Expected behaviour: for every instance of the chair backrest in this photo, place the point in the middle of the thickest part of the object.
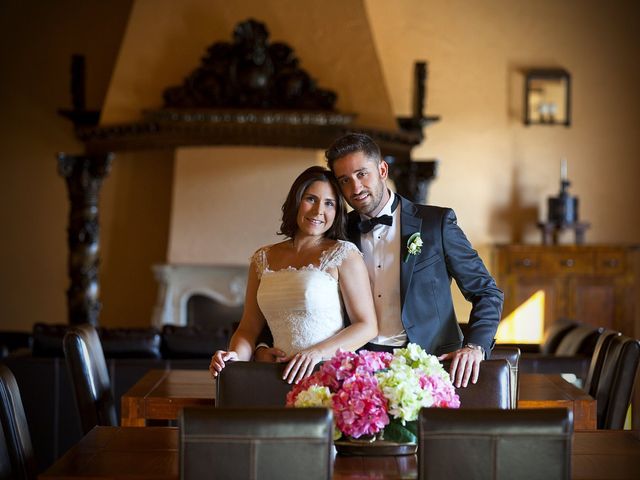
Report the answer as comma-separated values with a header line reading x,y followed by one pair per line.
x,y
554,334
493,389
597,361
89,377
580,340
494,444
615,386
17,461
512,356
283,443
252,384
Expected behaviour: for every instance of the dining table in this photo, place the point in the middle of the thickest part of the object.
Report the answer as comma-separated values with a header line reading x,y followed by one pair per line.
x,y
161,394
153,453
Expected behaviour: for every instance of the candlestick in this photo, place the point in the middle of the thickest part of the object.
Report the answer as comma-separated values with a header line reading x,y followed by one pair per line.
x,y
563,169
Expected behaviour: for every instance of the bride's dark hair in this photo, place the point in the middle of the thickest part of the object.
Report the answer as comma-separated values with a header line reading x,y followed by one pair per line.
x,y
289,225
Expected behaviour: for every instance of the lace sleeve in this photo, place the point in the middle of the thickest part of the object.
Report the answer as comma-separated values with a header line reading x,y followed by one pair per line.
x,y
260,259
336,255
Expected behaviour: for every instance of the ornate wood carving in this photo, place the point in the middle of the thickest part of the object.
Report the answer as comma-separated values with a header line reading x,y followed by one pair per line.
x,y
418,120
412,179
84,175
250,72
79,115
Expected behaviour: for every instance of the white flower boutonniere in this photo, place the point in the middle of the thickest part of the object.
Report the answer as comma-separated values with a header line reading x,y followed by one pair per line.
x,y
413,245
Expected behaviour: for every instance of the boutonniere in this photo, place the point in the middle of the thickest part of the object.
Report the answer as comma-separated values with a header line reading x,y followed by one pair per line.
x,y
413,245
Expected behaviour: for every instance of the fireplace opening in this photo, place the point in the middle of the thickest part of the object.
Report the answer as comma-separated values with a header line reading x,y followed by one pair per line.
x,y
206,313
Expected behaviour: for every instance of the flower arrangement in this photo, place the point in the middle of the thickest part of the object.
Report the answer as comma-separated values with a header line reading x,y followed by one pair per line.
x,y
376,394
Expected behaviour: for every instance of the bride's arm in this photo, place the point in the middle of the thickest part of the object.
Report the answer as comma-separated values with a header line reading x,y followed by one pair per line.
x,y
244,339
358,300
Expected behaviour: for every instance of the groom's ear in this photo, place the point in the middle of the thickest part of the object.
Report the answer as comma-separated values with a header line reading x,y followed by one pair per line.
x,y
383,169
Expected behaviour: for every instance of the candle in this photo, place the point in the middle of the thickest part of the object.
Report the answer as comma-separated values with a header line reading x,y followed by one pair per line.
x,y
563,169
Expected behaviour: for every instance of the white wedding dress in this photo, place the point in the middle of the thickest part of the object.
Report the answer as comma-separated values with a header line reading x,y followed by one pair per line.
x,y
302,306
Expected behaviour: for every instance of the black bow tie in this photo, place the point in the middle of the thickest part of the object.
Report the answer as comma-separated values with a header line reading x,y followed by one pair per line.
x,y
365,226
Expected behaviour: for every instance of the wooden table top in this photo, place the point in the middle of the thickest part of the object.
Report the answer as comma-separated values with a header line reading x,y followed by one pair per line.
x,y
160,395
153,453
552,391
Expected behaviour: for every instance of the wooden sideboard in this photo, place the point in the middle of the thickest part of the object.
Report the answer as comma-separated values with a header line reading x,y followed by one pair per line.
x,y
594,284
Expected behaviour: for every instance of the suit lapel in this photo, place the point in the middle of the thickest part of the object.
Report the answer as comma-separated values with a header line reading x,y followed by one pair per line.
x,y
409,224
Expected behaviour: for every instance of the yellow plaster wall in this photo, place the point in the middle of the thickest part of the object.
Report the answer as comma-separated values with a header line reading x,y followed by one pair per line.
x,y
165,40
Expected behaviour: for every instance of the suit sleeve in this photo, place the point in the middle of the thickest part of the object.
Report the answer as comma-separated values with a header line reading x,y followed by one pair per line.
x,y
474,281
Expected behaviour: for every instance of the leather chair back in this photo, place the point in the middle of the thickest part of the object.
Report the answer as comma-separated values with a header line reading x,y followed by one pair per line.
x,y
581,340
615,386
283,443
252,384
597,361
554,334
495,444
17,460
512,356
493,389
90,378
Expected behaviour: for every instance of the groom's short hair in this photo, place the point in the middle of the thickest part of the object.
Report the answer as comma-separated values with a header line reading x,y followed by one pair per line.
x,y
351,143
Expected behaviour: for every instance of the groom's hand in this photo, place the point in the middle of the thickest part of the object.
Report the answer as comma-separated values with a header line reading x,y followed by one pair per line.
x,y
269,355
465,365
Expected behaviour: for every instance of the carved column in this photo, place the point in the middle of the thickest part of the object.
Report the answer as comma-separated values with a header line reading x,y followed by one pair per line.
x,y
84,175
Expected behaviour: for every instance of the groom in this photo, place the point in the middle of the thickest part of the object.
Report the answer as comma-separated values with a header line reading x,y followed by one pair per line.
x,y
411,282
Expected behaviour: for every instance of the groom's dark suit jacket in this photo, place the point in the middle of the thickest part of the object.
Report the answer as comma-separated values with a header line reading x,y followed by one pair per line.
x,y
425,281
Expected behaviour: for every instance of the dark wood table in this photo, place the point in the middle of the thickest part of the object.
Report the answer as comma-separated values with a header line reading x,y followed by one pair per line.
x,y
552,391
152,453
160,395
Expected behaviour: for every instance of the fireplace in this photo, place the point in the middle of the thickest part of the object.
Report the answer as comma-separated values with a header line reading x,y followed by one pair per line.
x,y
180,288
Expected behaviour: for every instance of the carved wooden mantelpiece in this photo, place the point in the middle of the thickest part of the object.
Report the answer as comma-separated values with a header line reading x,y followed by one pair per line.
x,y
170,129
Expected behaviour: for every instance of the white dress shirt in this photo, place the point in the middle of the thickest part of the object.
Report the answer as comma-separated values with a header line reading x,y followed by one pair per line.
x,y
381,251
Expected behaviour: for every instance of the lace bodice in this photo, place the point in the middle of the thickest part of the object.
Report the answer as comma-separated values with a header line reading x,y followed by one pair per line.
x,y
302,306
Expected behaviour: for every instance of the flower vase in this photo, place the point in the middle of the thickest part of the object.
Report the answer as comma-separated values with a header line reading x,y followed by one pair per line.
x,y
372,446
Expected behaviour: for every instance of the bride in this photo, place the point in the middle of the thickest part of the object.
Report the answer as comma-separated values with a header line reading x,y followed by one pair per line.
x,y
298,286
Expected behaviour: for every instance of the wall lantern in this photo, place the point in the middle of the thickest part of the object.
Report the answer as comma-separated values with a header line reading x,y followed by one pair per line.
x,y
547,97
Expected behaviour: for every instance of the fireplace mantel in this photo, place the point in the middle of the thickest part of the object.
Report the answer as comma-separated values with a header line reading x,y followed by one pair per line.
x,y
177,283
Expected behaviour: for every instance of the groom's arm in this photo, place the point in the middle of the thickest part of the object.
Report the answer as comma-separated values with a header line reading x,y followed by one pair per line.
x,y
264,352
478,287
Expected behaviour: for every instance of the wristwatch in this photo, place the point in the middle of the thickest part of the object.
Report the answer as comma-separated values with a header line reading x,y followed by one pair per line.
x,y
476,347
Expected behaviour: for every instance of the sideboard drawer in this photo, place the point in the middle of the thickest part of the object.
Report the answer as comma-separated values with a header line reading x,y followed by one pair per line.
x,y
569,262
611,263
524,262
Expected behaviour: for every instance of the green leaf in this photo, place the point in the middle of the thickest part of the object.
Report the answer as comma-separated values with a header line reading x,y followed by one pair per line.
x,y
396,432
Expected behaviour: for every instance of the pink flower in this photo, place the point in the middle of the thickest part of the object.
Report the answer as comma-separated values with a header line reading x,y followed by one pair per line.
x,y
359,407
443,393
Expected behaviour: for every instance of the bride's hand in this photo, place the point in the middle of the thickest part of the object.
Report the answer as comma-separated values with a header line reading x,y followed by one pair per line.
x,y
218,359
301,365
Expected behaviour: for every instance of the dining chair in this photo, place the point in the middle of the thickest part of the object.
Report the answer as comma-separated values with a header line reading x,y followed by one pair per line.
x,y
597,361
493,389
89,377
256,443
494,444
512,356
17,459
572,355
251,384
616,382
